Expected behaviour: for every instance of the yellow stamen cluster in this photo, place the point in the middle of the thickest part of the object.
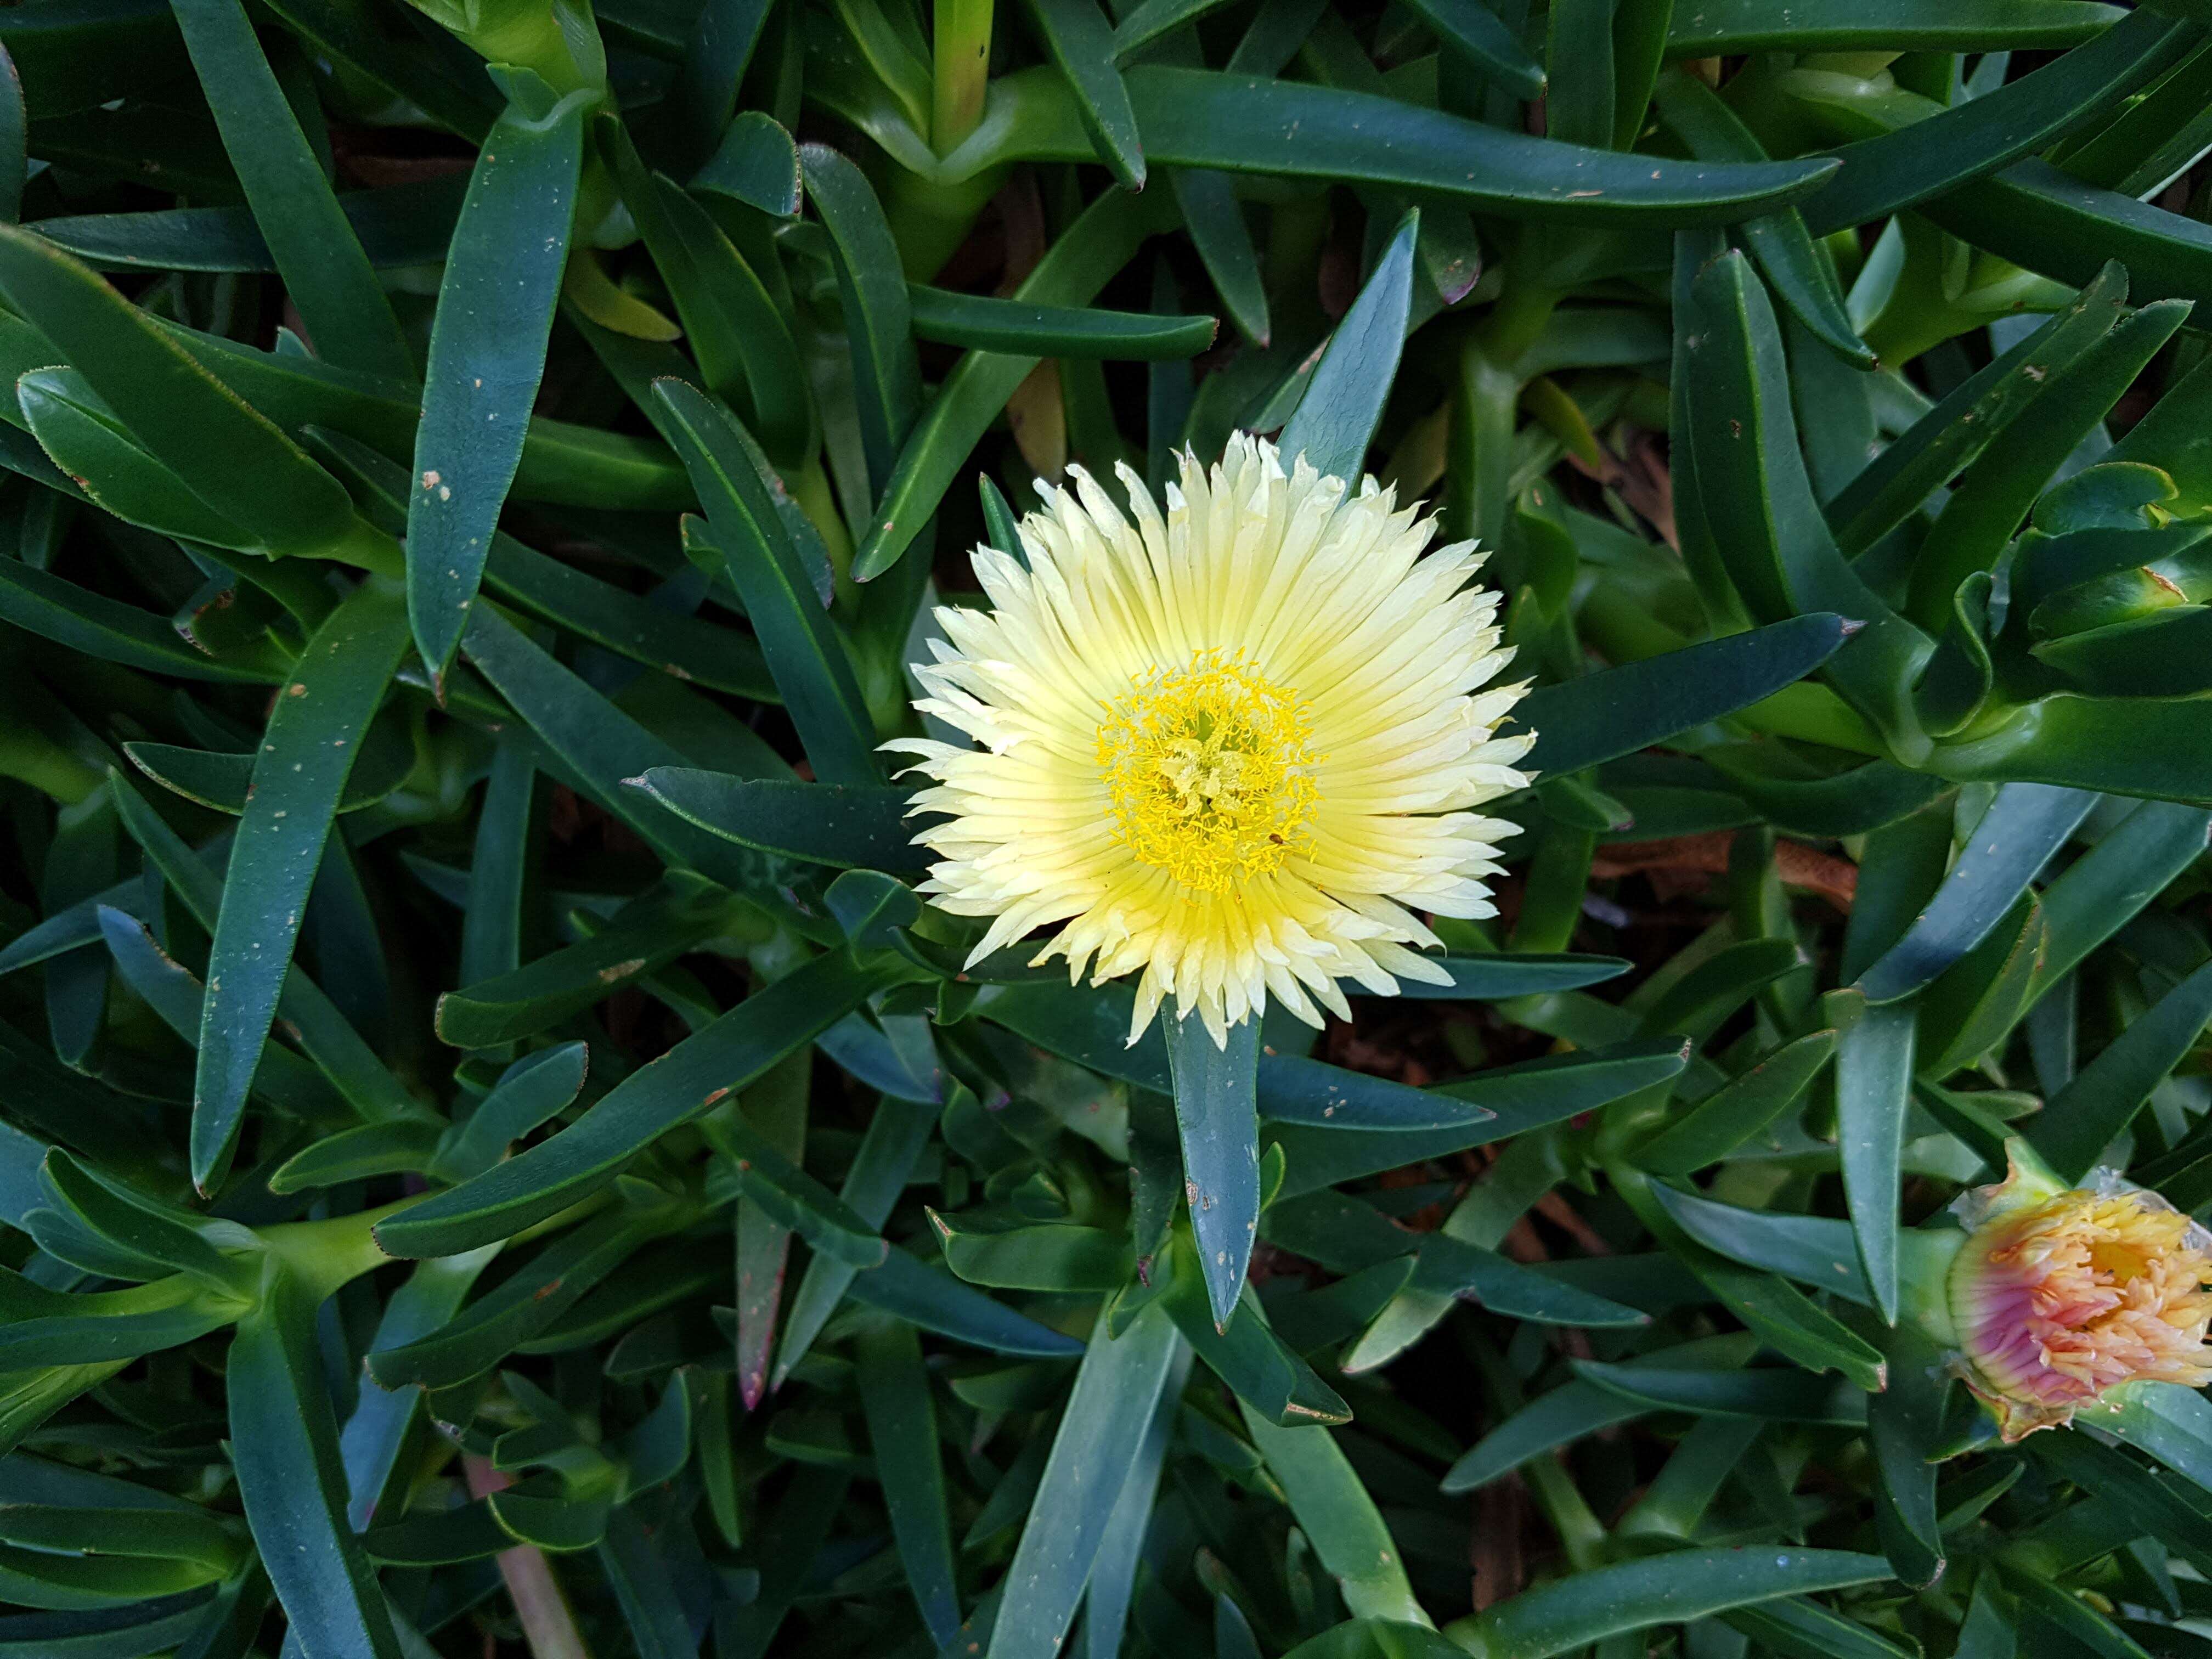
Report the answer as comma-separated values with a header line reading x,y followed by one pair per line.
x,y
1209,770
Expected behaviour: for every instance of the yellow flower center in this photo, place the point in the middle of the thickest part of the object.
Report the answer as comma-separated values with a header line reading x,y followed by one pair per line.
x,y
1209,771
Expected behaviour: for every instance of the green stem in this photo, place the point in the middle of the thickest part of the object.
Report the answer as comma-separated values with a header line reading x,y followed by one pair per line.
x,y
535,39
1516,319
29,756
548,1628
326,1254
1816,715
930,218
963,71
1623,628
367,547
1581,1533
1480,445
810,488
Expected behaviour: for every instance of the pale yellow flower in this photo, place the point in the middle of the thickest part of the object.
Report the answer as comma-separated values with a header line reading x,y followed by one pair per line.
x,y
1232,749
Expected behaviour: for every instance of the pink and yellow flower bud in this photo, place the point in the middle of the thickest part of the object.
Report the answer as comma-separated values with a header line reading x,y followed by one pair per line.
x,y
2060,1295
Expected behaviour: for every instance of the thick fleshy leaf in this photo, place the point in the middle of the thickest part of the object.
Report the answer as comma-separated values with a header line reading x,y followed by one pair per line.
x,y
1092,1027
1339,1519
905,1289
1478,32
1734,1115
1215,1088
314,735
1523,1096
1335,419
851,826
1954,147
2051,222
112,631
314,248
1755,496
1814,1250
1109,1414
1773,1394
804,653
1904,1431
895,1395
1874,1091
2108,885
1195,118
2025,823
224,780
593,745
284,1445
984,324
1617,711
878,306
680,1087
1099,243
488,352
674,915
1733,25
2083,1118
1781,242
238,463
1971,417
880,1169
324,1035
1081,42
1663,1590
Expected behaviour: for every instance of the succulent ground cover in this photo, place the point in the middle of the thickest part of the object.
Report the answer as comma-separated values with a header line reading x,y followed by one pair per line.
x,y
508,1144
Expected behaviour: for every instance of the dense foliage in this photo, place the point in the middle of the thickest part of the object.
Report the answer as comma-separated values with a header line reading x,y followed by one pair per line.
x,y
496,1155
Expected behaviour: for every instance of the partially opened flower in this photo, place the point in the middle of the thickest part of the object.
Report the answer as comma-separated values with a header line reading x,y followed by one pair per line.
x,y
2060,1295
1232,749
